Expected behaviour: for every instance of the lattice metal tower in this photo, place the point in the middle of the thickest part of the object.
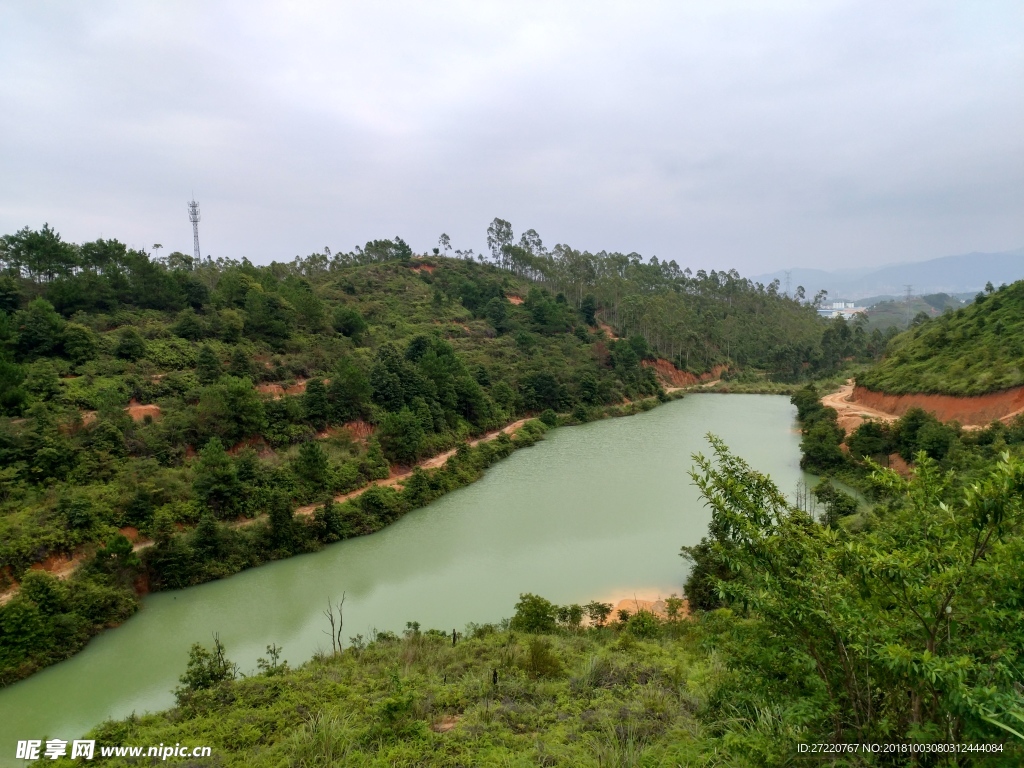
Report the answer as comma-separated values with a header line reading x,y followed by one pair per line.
x,y
193,216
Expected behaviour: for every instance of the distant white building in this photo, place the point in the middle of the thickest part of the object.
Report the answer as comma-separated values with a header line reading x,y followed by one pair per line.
x,y
845,308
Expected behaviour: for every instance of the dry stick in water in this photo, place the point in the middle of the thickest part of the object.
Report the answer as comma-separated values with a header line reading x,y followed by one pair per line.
x,y
329,613
341,618
336,629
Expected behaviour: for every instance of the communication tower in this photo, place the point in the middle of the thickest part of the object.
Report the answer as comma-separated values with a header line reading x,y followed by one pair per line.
x,y
193,216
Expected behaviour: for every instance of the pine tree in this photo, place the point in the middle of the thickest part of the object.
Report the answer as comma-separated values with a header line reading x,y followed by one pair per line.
x,y
349,392
311,464
206,538
131,345
208,367
282,521
329,523
216,484
315,403
241,365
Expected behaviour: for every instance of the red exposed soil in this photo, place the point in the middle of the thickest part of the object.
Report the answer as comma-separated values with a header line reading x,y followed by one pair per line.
x,y
897,463
969,411
274,390
607,329
278,391
62,566
58,564
138,411
515,299
359,430
428,268
88,417
669,374
258,444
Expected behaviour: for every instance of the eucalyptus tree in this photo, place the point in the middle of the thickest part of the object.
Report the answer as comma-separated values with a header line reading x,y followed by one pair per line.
x,y
499,234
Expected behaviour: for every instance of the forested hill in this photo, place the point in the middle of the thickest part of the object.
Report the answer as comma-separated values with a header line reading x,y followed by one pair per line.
x,y
975,350
165,400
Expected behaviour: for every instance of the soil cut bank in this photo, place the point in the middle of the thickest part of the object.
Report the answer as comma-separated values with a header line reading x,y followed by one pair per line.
x,y
674,377
974,411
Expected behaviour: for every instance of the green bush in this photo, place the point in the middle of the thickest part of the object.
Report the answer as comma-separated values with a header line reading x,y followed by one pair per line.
x,y
533,614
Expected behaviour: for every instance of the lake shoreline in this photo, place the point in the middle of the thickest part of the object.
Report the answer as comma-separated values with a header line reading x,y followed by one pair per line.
x,y
142,584
592,513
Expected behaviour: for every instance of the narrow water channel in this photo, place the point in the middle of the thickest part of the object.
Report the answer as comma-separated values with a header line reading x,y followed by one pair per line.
x,y
591,512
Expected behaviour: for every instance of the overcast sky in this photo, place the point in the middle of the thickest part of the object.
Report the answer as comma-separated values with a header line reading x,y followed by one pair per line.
x,y
750,135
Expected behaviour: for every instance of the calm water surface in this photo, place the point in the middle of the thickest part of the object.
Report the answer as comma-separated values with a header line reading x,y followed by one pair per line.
x,y
597,511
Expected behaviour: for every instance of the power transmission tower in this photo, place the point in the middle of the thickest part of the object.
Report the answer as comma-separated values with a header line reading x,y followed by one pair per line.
x,y
788,273
193,216
909,289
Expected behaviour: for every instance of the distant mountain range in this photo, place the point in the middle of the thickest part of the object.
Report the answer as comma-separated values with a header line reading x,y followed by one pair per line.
x,y
966,273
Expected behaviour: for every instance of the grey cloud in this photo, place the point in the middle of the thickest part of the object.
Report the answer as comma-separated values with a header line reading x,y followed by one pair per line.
x,y
718,134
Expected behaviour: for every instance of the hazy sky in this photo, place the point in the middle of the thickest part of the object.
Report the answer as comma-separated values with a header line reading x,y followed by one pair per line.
x,y
756,135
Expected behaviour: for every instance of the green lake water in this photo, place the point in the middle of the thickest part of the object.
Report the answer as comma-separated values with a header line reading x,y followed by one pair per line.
x,y
592,512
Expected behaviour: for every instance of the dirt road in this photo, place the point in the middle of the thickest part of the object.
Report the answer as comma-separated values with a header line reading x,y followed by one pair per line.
x,y
396,478
851,414
63,567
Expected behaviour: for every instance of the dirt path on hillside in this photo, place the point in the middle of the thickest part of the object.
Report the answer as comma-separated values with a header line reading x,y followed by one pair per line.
x,y
607,329
396,478
62,566
851,414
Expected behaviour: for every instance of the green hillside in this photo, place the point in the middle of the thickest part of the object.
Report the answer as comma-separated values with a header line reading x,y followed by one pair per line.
x,y
974,350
